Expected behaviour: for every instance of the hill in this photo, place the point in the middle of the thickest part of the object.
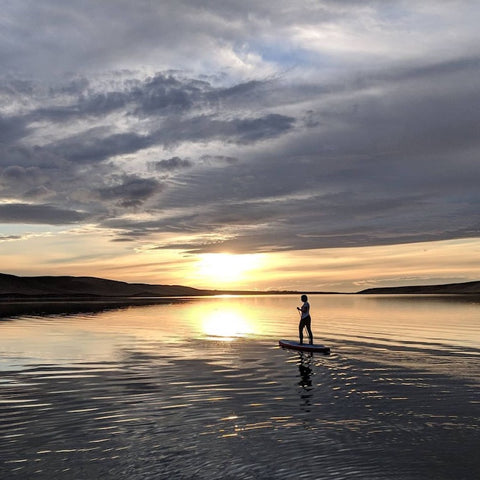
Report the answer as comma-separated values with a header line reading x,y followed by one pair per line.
x,y
467,288
12,286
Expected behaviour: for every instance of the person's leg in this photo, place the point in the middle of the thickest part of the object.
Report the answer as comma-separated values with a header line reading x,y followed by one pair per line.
x,y
300,330
308,324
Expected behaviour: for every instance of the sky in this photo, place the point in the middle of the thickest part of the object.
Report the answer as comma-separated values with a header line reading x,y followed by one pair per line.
x,y
310,145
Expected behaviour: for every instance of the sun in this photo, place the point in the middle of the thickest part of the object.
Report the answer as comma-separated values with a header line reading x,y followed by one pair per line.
x,y
224,268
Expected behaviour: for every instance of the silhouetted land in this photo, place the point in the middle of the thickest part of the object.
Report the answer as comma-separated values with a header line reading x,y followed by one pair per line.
x,y
75,287
466,288
68,287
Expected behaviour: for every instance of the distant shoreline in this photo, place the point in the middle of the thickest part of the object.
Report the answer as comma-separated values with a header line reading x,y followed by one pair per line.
x,y
69,288
465,288
121,298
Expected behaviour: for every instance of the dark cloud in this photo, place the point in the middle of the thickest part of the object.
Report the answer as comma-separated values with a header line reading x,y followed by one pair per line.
x,y
90,105
39,214
123,239
131,191
12,128
40,192
162,95
268,126
219,159
237,130
6,238
14,173
170,164
317,221
167,94
92,147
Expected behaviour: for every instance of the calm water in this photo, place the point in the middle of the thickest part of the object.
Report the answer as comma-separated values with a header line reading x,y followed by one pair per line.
x,y
198,389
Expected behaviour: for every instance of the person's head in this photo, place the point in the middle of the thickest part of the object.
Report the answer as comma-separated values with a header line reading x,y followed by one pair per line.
x,y
304,298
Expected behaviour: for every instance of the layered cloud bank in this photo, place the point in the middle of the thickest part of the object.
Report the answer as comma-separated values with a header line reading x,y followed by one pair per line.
x,y
244,127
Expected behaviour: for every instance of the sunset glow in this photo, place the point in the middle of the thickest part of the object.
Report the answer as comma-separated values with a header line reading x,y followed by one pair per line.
x,y
226,268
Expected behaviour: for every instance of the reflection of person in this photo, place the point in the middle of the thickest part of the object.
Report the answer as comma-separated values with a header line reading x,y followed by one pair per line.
x,y
305,370
305,320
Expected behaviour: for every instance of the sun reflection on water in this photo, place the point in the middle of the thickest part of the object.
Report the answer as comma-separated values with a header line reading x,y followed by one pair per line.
x,y
227,325
227,322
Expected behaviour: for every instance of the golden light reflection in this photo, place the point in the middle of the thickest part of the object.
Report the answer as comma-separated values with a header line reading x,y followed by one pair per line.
x,y
225,322
227,325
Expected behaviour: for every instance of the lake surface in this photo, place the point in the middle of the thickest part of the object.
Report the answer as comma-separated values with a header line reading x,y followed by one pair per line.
x,y
199,389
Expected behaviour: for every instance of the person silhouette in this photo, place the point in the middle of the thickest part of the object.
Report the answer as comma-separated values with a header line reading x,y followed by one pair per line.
x,y
305,320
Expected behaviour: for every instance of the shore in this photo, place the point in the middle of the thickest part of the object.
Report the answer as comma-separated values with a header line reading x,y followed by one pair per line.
x,y
61,288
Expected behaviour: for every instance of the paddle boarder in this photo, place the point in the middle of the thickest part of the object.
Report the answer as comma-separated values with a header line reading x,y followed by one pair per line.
x,y
305,319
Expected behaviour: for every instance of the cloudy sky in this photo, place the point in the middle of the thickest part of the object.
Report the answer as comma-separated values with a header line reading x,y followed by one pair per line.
x,y
328,145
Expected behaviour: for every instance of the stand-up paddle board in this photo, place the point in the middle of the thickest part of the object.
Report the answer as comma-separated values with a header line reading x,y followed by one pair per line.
x,y
304,347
